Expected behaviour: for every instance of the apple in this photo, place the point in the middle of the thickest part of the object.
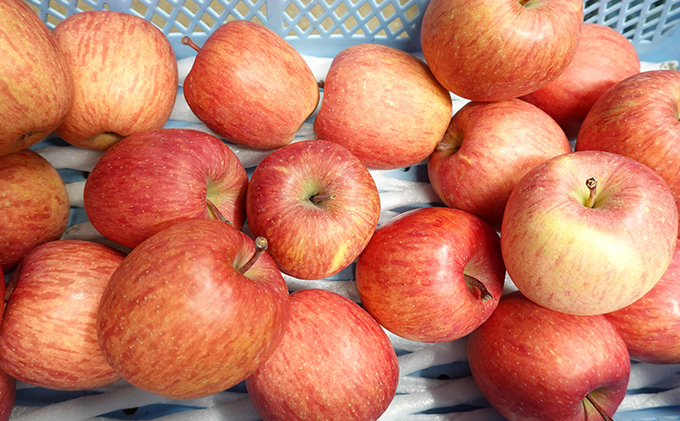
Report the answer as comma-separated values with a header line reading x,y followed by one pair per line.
x,y
588,232
334,362
36,83
650,326
249,86
384,105
603,58
35,206
489,50
125,76
193,310
154,179
48,336
533,363
431,274
316,204
486,149
638,118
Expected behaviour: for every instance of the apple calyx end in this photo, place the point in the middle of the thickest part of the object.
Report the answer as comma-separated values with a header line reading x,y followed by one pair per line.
x,y
484,293
189,42
261,245
591,184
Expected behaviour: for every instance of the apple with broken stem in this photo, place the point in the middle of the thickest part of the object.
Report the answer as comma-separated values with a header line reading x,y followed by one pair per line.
x,y
603,58
431,274
490,50
48,335
35,206
487,148
553,366
37,85
316,204
638,118
193,310
588,232
154,179
650,326
384,105
249,86
125,75
335,355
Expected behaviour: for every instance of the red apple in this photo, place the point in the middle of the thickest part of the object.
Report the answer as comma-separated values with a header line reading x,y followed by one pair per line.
x,y
48,336
638,118
383,105
431,274
650,326
316,204
486,149
335,362
36,86
603,58
536,364
588,232
35,207
248,85
154,179
490,50
192,311
125,75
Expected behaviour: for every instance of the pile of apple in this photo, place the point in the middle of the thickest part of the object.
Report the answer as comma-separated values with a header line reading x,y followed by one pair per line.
x,y
193,300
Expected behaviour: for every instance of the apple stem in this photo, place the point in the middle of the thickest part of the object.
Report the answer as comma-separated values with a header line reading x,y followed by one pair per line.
x,y
261,245
591,183
318,198
442,146
219,215
599,409
188,41
484,293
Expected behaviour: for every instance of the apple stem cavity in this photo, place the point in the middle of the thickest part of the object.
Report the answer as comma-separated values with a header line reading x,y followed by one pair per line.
x,y
188,41
591,183
599,409
318,198
261,245
218,214
484,293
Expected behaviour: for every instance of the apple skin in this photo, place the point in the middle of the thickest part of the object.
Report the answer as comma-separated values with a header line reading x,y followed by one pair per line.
x,y
603,58
490,50
35,207
486,149
638,118
179,320
48,336
532,363
154,179
125,75
650,326
249,86
310,240
384,105
572,258
412,275
37,85
7,382
328,337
